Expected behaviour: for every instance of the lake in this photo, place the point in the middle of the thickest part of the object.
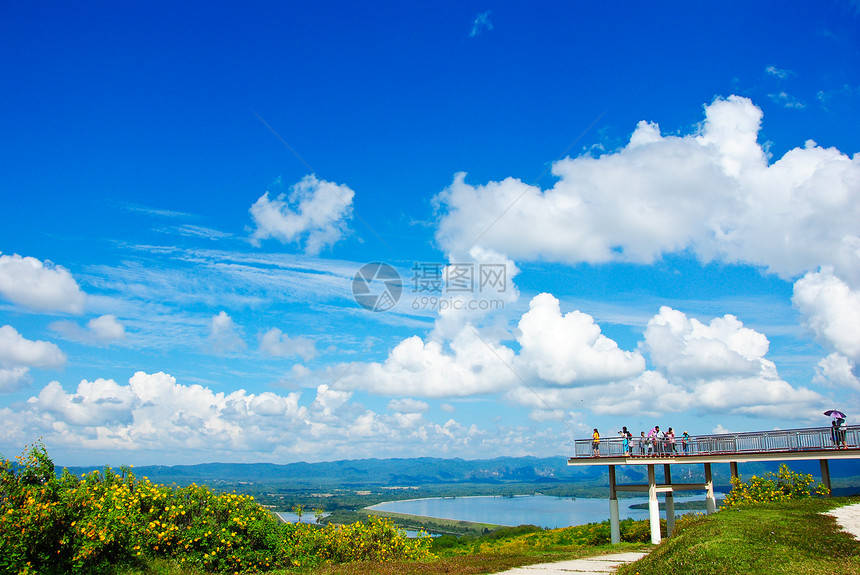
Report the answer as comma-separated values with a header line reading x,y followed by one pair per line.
x,y
540,510
289,517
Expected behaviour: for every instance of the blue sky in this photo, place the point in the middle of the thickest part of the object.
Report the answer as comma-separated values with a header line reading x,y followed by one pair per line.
x,y
644,215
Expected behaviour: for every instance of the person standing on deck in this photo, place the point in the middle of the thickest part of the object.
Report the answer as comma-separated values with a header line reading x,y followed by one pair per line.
x,y
595,443
840,432
652,440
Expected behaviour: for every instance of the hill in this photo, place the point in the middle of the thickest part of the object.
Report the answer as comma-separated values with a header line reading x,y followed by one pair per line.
x,y
424,471
375,472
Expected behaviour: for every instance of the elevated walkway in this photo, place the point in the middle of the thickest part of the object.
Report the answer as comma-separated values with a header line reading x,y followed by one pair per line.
x,y
732,448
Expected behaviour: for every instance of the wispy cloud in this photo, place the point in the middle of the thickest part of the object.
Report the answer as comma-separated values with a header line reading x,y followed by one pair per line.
x,y
787,100
828,97
481,23
103,330
155,211
276,343
224,335
778,72
192,231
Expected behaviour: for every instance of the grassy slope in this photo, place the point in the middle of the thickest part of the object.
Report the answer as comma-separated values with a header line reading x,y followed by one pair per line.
x,y
785,538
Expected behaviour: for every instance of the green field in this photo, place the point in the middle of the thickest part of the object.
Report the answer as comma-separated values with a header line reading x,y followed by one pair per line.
x,y
788,537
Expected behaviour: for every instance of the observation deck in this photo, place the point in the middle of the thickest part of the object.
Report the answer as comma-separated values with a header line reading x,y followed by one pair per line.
x,y
732,448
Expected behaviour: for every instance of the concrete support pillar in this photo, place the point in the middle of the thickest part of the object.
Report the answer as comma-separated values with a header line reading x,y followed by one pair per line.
x,y
670,502
614,523
653,506
825,474
710,502
733,466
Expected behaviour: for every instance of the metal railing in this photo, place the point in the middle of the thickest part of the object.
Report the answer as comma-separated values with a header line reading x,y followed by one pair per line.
x,y
815,438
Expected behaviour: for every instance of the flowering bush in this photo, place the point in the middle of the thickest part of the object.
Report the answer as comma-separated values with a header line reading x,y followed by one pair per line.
x,y
781,486
82,525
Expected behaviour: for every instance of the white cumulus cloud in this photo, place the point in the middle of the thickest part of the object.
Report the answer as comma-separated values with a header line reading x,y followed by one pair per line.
x,y
96,403
315,214
153,411
837,371
18,354
15,349
471,365
722,364
40,286
684,347
715,367
155,419
712,192
832,311
570,349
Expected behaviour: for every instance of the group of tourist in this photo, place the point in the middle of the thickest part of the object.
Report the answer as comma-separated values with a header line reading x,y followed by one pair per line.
x,y
657,443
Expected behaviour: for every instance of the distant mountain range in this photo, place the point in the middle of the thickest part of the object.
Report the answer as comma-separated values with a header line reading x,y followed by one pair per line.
x,y
374,472
428,471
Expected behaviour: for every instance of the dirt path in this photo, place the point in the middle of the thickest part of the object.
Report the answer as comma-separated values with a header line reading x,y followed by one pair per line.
x,y
601,564
848,518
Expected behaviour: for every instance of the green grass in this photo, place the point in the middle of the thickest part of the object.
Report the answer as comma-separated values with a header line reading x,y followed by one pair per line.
x,y
462,565
767,538
158,567
469,564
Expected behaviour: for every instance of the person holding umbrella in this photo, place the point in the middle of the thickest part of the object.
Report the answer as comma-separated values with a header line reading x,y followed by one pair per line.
x,y
834,430
837,427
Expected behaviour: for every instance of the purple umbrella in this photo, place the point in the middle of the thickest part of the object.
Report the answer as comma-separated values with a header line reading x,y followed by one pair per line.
x,y
834,413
